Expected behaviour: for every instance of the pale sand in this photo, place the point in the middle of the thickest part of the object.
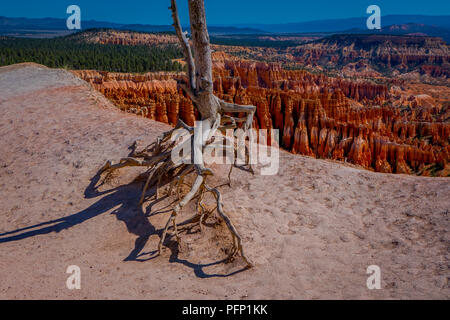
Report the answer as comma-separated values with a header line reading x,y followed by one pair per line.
x,y
312,230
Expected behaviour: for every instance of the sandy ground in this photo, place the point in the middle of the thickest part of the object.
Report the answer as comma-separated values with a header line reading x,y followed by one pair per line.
x,y
312,230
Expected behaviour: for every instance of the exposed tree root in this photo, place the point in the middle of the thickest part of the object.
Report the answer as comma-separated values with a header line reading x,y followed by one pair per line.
x,y
156,158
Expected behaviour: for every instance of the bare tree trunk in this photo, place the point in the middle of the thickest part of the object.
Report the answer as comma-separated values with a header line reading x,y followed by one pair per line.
x,y
201,84
207,103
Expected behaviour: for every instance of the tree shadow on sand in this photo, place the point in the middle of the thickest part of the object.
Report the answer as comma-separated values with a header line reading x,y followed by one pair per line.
x,y
125,198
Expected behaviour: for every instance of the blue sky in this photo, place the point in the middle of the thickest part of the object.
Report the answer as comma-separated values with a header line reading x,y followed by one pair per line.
x,y
225,12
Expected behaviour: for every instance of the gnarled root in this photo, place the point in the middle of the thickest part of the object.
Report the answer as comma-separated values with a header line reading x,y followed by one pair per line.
x,y
237,241
160,167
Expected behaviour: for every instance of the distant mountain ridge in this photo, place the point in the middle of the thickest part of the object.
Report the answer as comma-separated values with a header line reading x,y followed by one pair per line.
x,y
24,26
436,26
334,25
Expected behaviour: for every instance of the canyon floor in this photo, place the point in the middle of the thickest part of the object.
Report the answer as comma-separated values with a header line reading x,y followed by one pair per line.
x,y
311,230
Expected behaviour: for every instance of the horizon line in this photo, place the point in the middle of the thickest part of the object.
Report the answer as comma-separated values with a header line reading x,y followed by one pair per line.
x,y
227,25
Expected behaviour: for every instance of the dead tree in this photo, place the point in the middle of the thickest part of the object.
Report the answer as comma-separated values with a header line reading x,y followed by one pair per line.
x,y
215,115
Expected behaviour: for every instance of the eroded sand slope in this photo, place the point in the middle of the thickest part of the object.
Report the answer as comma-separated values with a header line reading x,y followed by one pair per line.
x,y
312,230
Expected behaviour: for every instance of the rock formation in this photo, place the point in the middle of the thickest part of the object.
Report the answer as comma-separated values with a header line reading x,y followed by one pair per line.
x,y
363,54
319,116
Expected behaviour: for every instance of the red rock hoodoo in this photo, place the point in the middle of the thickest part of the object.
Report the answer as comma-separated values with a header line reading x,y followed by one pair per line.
x,y
318,116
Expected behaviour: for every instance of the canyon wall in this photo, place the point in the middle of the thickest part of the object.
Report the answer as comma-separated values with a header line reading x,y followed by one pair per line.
x,y
355,121
399,54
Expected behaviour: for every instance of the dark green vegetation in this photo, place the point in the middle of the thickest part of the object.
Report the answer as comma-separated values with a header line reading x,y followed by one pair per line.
x,y
66,53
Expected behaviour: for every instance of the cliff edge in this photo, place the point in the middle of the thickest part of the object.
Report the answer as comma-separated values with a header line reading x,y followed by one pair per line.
x,y
312,230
